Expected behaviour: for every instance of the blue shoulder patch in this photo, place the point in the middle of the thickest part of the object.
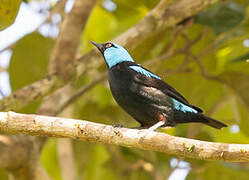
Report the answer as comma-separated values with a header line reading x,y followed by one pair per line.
x,y
143,71
182,107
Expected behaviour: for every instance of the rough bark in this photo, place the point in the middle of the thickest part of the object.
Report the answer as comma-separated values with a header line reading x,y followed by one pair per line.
x,y
24,157
30,93
162,16
11,122
64,53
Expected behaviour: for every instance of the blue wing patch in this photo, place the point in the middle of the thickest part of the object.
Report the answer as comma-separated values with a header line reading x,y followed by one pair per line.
x,y
143,71
182,107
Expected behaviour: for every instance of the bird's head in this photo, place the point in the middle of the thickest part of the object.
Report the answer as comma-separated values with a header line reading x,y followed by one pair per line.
x,y
113,53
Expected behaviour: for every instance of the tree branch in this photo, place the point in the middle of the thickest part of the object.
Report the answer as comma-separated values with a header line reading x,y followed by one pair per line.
x,y
162,16
11,122
168,52
29,167
78,93
64,52
30,93
66,158
14,159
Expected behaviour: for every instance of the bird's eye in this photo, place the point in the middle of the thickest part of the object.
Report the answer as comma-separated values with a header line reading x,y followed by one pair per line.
x,y
108,45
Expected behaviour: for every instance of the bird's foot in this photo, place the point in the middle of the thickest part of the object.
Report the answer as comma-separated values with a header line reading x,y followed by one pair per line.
x,y
167,127
139,127
162,120
118,126
157,125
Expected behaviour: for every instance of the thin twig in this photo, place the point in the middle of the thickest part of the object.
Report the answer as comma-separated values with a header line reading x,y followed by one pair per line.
x,y
81,91
156,21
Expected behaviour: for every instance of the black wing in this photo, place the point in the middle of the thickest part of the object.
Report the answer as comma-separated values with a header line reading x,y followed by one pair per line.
x,y
162,86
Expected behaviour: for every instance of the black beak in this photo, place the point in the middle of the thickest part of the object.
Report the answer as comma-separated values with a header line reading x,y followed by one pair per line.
x,y
101,47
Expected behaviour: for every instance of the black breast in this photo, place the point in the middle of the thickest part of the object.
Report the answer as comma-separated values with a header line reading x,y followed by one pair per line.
x,y
120,81
127,94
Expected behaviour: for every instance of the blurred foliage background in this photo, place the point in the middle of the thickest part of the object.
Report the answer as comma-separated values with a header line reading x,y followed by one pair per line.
x,y
209,65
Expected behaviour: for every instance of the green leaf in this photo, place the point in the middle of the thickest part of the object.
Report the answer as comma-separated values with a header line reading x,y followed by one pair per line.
x,y
232,52
243,117
3,174
114,23
96,169
49,159
8,12
222,171
226,136
238,82
29,62
93,30
243,57
103,96
222,17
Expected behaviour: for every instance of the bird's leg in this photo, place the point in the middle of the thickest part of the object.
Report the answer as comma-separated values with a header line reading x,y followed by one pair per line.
x,y
122,126
162,120
157,125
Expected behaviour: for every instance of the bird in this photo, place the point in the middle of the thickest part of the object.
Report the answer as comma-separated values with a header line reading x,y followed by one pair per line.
x,y
145,96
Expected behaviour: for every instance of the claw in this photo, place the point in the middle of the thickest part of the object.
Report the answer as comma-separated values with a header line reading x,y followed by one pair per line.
x,y
117,126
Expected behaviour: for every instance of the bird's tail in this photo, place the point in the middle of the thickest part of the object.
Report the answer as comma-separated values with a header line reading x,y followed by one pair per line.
x,y
210,121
